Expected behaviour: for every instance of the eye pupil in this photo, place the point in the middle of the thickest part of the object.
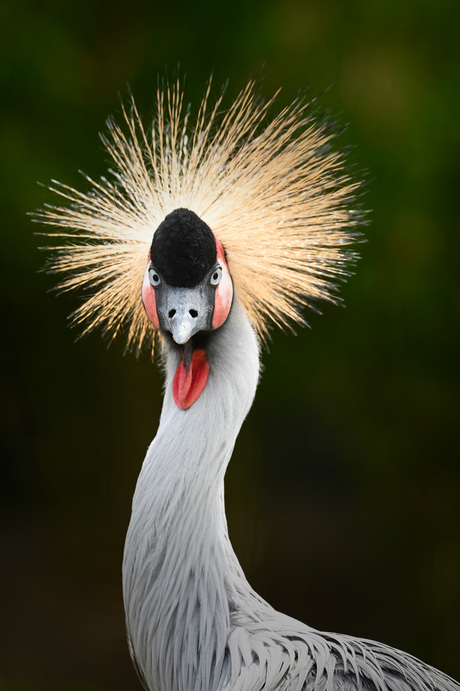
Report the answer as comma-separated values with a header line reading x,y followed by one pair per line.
x,y
215,276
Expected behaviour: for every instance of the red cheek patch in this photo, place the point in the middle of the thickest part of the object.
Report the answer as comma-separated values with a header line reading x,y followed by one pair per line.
x,y
224,291
189,381
149,300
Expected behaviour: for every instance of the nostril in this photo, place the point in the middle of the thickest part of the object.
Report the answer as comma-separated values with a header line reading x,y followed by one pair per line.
x,y
193,313
171,313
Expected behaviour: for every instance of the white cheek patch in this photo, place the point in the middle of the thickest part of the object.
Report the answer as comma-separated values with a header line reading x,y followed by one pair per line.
x,y
149,299
224,291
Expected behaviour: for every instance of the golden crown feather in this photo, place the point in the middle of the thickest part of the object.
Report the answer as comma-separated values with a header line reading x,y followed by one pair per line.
x,y
274,192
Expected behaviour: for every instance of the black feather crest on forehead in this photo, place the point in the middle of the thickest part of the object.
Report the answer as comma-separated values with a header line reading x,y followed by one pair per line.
x,y
183,249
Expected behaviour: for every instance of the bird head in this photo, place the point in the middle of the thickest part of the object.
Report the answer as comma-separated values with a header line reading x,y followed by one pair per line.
x,y
187,288
278,196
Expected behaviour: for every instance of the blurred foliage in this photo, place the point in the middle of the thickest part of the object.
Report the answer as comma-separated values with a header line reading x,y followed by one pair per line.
x,y
344,489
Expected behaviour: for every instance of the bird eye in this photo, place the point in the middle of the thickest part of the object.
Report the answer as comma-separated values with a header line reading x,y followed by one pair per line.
x,y
216,276
154,277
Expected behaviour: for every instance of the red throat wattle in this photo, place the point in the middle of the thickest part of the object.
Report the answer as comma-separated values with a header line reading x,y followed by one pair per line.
x,y
190,379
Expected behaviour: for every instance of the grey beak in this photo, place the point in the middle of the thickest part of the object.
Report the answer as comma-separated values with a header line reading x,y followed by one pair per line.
x,y
184,311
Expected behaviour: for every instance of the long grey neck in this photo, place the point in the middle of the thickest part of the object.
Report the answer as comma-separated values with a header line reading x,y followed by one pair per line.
x,y
180,575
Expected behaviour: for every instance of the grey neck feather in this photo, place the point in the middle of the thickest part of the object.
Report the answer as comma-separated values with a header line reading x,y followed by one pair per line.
x,y
179,571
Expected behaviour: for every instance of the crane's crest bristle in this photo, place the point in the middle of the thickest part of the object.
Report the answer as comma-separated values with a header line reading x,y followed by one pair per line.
x,y
273,191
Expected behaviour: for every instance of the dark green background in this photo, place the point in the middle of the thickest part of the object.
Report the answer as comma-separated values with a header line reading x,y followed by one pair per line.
x,y
343,494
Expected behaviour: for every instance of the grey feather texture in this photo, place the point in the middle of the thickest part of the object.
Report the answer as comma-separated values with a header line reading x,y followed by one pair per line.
x,y
194,622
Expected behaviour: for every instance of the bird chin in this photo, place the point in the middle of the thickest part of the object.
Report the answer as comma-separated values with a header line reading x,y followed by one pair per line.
x,y
191,376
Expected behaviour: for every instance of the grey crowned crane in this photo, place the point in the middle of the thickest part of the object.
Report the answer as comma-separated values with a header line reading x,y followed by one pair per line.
x,y
223,227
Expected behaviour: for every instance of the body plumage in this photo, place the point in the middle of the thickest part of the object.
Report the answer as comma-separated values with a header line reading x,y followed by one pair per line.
x,y
193,620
